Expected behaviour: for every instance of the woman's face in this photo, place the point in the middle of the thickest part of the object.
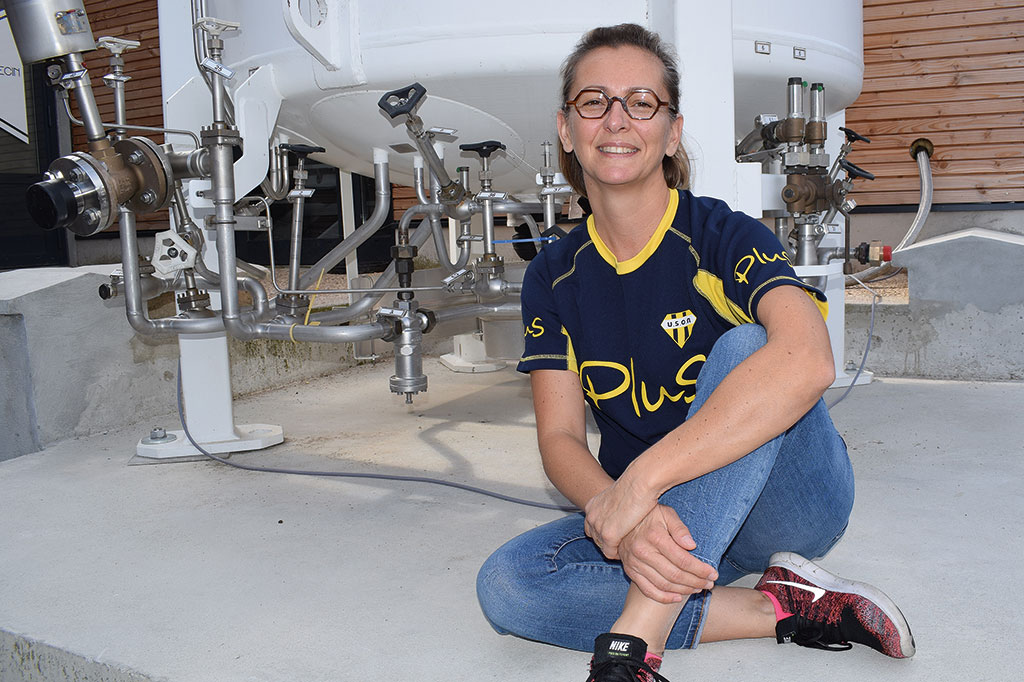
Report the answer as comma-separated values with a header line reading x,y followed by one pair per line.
x,y
616,150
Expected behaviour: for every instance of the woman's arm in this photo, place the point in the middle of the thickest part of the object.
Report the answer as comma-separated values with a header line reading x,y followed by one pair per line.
x,y
562,435
762,397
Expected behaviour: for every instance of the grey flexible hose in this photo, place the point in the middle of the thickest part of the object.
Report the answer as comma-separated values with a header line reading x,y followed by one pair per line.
x,y
346,474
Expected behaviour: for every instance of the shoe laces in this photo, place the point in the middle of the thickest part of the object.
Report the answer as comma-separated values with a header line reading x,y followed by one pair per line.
x,y
818,635
623,671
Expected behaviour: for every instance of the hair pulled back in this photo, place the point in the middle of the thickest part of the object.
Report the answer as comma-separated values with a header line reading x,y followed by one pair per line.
x,y
676,167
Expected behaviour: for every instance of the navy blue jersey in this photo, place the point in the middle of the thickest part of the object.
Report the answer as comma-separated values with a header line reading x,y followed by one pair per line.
x,y
637,332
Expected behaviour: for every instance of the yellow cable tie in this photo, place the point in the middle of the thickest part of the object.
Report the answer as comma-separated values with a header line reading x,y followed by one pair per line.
x,y
313,297
291,333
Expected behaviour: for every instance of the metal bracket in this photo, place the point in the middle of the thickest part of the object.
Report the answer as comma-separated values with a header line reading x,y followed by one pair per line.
x,y
172,253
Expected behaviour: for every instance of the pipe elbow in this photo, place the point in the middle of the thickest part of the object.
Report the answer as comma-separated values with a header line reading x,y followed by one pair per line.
x,y
237,329
140,323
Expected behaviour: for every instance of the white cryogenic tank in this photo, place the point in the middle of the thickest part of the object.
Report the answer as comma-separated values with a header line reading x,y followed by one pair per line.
x,y
312,71
822,42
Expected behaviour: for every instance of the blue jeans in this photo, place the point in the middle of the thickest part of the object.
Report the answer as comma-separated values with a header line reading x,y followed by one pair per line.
x,y
794,493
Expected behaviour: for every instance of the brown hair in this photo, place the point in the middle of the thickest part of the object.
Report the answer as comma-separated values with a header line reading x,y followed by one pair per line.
x,y
676,167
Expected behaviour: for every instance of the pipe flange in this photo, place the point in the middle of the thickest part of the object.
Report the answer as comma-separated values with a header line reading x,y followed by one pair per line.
x,y
93,188
223,136
152,170
193,300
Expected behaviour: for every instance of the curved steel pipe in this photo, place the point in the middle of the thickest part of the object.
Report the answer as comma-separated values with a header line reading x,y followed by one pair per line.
x,y
924,168
441,246
381,206
279,175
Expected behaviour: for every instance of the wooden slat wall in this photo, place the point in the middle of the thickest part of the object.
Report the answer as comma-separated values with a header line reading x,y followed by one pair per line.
x,y
951,71
402,199
132,20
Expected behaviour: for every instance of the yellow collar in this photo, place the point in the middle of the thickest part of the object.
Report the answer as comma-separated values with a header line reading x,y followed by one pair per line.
x,y
650,247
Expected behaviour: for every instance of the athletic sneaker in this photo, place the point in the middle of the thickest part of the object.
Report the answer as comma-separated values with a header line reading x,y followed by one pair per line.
x,y
623,658
821,610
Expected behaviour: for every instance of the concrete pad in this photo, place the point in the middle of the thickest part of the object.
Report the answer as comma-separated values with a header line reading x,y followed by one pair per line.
x,y
973,267
197,571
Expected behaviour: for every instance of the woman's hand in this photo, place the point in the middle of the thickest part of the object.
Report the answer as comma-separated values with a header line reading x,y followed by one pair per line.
x,y
614,512
656,557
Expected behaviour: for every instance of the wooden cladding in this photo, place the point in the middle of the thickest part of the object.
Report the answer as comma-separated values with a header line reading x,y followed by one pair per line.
x,y
951,71
131,20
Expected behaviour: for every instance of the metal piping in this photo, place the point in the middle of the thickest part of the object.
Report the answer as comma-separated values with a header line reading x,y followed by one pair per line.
x,y
279,175
478,310
134,307
532,224
151,129
298,200
924,207
518,207
223,189
924,169
224,220
386,280
86,100
381,206
194,163
441,246
418,184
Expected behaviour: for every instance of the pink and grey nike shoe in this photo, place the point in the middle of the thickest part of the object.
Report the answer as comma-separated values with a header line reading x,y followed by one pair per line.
x,y
818,609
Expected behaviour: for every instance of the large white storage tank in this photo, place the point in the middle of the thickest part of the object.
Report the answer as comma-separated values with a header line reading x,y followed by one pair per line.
x,y
313,70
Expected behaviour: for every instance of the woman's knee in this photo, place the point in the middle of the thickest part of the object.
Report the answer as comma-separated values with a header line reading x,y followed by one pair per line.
x,y
732,348
742,340
504,585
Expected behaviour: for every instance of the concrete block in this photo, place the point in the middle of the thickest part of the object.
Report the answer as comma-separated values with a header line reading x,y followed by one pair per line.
x,y
976,266
18,433
965,317
70,364
28,660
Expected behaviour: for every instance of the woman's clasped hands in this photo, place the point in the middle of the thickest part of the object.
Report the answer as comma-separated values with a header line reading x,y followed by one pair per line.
x,y
653,544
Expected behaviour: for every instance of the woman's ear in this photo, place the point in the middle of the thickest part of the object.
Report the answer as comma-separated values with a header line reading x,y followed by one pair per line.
x,y
563,131
675,135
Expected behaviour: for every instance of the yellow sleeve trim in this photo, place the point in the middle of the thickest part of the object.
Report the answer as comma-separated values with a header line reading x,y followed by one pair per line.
x,y
628,266
710,287
542,357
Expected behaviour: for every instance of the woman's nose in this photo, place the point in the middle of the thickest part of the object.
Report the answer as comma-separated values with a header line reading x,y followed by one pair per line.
x,y
616,118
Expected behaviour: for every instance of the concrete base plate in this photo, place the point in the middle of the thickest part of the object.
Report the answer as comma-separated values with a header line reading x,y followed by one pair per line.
x,y
844,379
250,437
458,363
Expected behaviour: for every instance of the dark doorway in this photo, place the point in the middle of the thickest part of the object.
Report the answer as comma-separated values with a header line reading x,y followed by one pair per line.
x,y
22,242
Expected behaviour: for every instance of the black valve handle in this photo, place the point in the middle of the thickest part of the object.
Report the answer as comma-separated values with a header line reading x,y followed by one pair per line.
x,y
302,150
854,170
484,149
402,100
852,136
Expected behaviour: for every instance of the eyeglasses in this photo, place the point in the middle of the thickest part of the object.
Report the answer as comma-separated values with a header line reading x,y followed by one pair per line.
x,y
640,104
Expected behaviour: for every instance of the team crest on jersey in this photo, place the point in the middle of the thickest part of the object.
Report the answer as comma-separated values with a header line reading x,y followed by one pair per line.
x,y
679,326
